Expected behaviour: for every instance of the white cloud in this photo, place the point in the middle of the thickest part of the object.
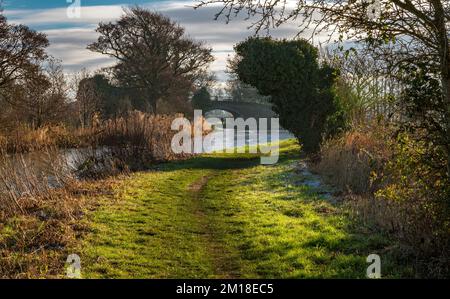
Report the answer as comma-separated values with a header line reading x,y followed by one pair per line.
x,y
69,45
69,41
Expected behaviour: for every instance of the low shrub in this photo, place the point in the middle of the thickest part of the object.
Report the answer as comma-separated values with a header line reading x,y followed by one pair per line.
x,y
420,192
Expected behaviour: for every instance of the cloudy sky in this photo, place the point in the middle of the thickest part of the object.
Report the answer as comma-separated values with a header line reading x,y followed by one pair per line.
x,y
70,35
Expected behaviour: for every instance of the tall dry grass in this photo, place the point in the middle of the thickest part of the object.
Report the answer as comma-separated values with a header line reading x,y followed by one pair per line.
x,y
38,214
24,139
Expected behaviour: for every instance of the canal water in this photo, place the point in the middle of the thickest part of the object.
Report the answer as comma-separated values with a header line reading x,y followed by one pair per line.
x,y
223,138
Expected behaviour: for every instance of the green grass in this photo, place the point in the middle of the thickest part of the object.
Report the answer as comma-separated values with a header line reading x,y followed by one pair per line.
x,y
227,216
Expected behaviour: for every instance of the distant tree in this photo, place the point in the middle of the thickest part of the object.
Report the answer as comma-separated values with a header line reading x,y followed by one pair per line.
x,y
109,96
201,99
205,79
97,96
41,97
242,92
300,89
88,98
56,96
155,57
365,93
219,93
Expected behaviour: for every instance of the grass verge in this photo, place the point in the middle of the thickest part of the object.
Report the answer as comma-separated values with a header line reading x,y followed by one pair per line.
x,y
226,216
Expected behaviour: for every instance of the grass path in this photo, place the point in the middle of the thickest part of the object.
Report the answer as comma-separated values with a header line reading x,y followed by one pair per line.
x,y
222,216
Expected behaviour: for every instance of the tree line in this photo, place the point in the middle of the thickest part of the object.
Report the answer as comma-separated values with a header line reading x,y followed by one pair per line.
x,y
157,69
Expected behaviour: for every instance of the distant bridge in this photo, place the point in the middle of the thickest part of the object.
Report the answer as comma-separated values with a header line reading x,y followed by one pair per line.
x,y
243,109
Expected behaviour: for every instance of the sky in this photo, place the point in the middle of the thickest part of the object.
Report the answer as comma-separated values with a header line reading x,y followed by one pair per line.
x,y
69,35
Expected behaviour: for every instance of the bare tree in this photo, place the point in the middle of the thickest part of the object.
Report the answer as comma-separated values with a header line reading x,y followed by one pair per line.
x,y
22,50
153,52
57,93
363,90
41,97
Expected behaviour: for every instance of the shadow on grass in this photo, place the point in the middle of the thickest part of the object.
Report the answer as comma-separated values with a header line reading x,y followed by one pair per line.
x,y
282,229
221,161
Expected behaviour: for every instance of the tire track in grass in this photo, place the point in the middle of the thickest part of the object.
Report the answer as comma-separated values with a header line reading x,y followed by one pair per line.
x,y
225,266
150,231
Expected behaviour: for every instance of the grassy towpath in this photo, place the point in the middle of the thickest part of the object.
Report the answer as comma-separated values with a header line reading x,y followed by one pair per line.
x,y
227,216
